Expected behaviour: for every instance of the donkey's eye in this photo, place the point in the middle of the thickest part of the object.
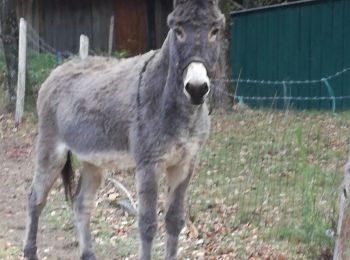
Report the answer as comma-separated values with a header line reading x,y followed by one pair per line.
x,y
180,34
213,34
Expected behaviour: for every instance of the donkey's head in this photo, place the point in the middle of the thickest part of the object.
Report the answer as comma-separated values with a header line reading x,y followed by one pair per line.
x,y
195,27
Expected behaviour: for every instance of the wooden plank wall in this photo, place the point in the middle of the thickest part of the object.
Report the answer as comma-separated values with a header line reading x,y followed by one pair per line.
x,y
29,10
131,24
162,9
62,22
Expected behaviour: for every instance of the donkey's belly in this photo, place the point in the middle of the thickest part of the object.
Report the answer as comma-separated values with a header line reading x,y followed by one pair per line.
x,y
109,160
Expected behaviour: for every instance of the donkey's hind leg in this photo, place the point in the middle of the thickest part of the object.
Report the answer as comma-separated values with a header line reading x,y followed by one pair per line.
x,y
89,182
49,164
178,178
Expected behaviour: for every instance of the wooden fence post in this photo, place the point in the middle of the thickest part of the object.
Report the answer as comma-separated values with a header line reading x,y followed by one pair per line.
x,y
84,47
21,82
111,34
342,248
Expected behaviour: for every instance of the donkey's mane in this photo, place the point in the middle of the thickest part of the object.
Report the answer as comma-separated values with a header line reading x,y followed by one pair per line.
x,y
197,10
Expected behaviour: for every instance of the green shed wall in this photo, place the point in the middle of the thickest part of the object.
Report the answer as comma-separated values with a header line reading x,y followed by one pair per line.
x,y
303,41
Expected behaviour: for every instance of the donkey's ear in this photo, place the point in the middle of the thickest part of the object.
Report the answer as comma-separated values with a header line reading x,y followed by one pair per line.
x,y
175,3
171,20
221,21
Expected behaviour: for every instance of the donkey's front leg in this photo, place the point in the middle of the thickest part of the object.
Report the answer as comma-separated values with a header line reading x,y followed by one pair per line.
x,y
178,179
147,191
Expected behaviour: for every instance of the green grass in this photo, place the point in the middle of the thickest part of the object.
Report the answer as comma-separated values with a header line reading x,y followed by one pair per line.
x,y
39,66
263,180
3,79
2,63
282,174
9,252
121,54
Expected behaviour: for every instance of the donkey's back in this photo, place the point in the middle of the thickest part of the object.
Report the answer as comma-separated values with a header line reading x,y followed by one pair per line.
x,y
87,106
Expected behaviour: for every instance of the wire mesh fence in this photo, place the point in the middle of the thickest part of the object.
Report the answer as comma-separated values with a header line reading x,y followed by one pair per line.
x,y
281,171
269,173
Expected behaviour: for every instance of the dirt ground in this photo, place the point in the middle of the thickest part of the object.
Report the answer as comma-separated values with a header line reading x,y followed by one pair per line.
x,y
16,170
57,238
113,229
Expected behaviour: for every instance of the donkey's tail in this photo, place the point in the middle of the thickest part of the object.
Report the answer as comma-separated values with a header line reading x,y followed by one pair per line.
x,y
68,178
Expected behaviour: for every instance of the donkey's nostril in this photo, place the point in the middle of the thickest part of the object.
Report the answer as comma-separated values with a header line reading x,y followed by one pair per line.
x,y
196,92
188,87
205,88
201,89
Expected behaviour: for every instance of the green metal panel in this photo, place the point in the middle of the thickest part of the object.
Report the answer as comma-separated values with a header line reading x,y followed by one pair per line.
x,y
301,41
327,62
304,48
315,53
346,51
338,49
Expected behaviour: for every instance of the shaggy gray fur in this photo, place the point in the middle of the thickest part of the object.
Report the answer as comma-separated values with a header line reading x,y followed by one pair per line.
x,y
103,109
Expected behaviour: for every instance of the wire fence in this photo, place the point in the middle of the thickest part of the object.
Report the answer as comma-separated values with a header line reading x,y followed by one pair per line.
x,y
282,170
37,46
272,170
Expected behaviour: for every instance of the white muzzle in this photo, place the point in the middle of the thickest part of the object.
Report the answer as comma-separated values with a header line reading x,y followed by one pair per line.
x,y
196,83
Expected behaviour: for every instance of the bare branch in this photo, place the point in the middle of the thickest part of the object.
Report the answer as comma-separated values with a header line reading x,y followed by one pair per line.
x,y
237,5
122,188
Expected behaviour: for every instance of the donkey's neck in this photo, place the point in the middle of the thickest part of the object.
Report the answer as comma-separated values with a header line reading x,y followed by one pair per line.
x,y
162,101
175,108
165,90
173,97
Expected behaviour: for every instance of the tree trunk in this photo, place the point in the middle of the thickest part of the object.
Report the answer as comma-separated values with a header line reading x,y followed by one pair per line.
x,y
9,36
219,97
342,249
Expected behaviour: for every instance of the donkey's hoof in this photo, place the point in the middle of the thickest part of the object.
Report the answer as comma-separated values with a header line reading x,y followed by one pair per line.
x,y
31,257
29,253
88,256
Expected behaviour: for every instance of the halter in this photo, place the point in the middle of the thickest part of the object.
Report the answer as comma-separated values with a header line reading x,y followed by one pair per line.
x,y
193,59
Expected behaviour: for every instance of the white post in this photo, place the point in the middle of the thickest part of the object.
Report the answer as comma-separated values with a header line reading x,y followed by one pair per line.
x,y
84,47
111,34
21,82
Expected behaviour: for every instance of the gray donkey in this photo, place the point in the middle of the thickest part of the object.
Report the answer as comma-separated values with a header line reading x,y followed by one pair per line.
x,y
147,112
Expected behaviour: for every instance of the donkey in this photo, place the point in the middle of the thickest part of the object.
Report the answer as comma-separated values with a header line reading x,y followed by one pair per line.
x,y
147,112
